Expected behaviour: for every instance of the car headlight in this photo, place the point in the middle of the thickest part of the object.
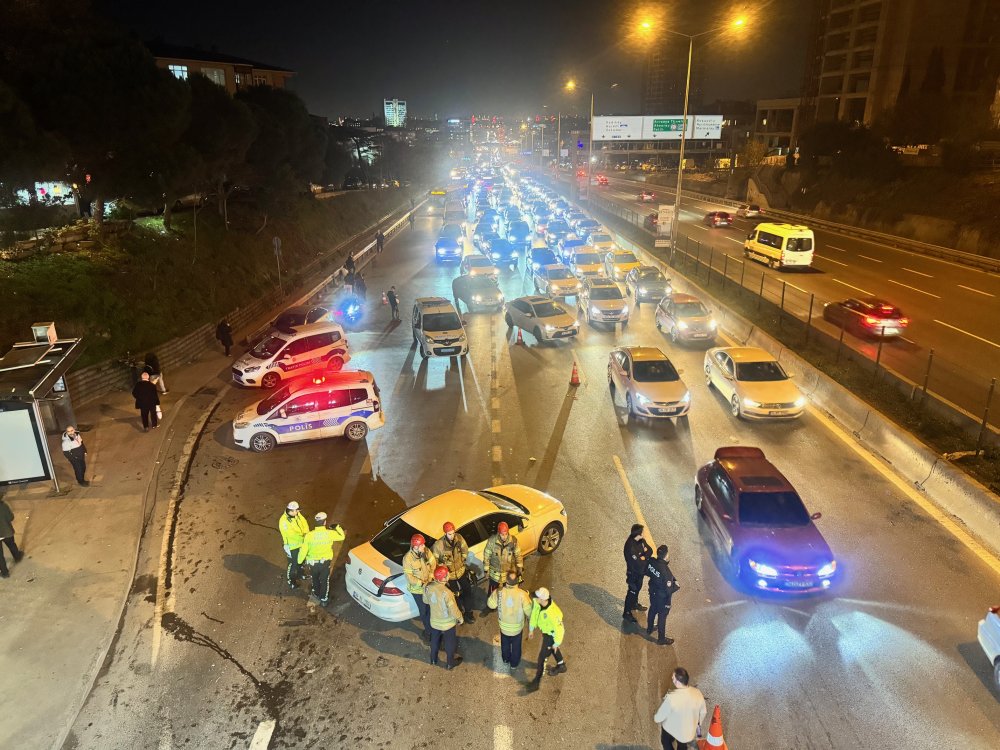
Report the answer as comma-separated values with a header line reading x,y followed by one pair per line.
x,y
712,325
682,325
642,400
549,328
800,402
687,398
514,254
827,570
240,425
642,290
749,402
625,308
494,255
763,570
461,337
248,370
595,310
476,298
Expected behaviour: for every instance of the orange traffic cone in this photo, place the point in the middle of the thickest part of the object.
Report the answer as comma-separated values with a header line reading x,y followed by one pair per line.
x,y
520,337
385,300
574,379
714,739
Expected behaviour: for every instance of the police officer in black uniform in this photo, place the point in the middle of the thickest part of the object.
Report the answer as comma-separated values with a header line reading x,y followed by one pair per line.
x,y
637,552
662,586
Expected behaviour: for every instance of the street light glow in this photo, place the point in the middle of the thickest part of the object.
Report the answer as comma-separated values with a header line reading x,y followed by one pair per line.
x,y
571,85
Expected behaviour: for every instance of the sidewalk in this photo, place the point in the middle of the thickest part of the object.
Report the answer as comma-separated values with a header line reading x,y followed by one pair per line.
x,y
63,602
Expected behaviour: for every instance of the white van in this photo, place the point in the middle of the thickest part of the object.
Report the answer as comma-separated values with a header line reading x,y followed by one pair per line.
x,y
341,403
438,330
286,354
780,245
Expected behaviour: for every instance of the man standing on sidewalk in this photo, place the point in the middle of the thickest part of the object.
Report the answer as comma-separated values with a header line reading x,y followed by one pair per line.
x,y
7,537
393,302
681,713
146,401
637,552
224,333
76,453
317,552
293,527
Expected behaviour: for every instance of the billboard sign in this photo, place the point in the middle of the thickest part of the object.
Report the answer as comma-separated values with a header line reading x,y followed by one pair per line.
x,y
657,128
23,457
664,219
618,128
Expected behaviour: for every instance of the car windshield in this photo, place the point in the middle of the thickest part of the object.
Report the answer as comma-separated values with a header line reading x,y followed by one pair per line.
x,y
772,509
481,262
503,502
690,310
547,309
757,372
543,257
518,227
447,321
624,258
271,402
452,231
650,274
605,292
268,347
654,371
394,540
587,259
558,273
600,238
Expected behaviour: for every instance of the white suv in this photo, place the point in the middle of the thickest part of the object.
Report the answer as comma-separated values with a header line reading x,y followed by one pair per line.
x,y
438,330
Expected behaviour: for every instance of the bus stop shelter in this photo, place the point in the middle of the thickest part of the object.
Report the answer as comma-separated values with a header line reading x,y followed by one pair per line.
x,y
35,404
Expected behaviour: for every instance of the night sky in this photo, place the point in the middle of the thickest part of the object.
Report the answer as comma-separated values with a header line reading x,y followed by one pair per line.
x,y
455,58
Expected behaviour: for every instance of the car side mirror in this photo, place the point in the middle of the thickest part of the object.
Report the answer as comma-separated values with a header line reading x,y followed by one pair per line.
x,y
816,516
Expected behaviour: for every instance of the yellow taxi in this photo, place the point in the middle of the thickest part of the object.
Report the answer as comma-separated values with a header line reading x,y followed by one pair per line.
x,y
618,263
586,262
602,241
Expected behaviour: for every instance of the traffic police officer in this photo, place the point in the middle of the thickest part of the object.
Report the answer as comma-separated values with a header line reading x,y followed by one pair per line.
x,y
445,617
452,552
548,618
293,527
513,606
637,552
501,556
662,586
317,552
418,565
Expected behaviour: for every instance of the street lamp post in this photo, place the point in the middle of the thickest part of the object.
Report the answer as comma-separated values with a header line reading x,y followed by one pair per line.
x,y
590,146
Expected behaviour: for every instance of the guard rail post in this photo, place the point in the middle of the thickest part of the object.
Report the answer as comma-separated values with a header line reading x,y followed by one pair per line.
x,y
927,377
840,343
809,318
743,270
711,257
878,354
760,295
725,270
986,417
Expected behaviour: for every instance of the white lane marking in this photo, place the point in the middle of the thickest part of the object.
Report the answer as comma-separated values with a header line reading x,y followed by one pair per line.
x,y
918,273
371,460
900,283
865,291
503,737
829,260
497,454
495,404
632,501
907,489
262,737
977,291
495,426
838,249
868,257
733,239
960,330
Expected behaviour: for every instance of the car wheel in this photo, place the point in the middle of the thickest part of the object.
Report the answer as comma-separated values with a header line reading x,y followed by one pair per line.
x,y
698,500
550,538
708,378
335,364
270,380
628,405
996,674
508,320
659,325
538,334
746,253
774,263
423,353
673,335
734,407
628,291
262,442
356,431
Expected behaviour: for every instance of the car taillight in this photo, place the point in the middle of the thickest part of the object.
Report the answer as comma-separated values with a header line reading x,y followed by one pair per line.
x,y
870,321
903,322
388,590
376,406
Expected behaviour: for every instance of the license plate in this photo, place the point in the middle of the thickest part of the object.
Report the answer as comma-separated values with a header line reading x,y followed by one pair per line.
x,y
448,350
564,334
699,335
775,413
361,601
799,584
666,412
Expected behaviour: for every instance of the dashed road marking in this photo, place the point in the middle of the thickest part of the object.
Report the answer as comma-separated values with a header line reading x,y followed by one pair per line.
x,y
960,330
829,260
865,291
900,283
631,499
838,249
495,426
977,291
503,737
262,737
868,257
918,273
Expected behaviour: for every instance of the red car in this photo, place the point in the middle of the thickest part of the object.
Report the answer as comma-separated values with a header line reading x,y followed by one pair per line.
x,y
719,219
759,521
870,317
646,197
602,180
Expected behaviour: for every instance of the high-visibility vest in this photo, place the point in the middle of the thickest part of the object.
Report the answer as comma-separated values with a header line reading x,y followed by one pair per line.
x,y
293,529
513,606
318,544
548,620
445,613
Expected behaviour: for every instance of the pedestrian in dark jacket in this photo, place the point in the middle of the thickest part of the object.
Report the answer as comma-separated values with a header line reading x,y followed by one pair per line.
x,y
146,401
393,302
7,535
76,453
349,265
152,366
224,333
379,240
360,287
662,586
637,553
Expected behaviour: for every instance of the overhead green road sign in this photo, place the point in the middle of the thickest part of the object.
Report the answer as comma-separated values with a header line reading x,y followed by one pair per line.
x,y
668,124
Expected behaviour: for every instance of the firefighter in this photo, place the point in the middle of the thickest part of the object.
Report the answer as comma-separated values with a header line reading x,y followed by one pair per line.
x,y
548,618
418,565
501,556
317,552
445,616
513,606
452,552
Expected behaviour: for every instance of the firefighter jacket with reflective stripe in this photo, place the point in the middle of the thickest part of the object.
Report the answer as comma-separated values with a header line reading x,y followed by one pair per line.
x,y
549,620
445,613
501,558
293,529
419,569
318,544
513,606
453,554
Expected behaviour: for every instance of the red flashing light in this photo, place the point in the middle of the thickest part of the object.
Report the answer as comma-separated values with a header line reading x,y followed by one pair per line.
x,y
319,380
86,178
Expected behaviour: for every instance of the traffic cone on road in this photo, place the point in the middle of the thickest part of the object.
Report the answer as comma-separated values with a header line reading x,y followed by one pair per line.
x,y
574,379
714,739
520,337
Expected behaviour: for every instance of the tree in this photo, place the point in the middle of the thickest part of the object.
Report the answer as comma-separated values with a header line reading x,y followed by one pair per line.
x,y
850,150
26,153
753,153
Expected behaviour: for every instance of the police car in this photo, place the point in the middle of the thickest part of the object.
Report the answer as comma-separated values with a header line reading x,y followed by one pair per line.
x,y
286,354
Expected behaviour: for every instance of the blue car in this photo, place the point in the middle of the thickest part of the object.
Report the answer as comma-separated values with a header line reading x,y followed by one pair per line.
x,y
519,235
447,248
502,253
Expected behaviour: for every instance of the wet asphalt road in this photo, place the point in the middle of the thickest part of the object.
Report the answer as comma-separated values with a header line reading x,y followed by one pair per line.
x,y
889,658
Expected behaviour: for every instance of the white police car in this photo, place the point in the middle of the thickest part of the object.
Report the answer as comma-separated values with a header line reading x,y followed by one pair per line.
x,y
287,354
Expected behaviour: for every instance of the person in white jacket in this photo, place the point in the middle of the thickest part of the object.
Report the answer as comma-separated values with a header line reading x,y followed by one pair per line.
x,y
681,714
